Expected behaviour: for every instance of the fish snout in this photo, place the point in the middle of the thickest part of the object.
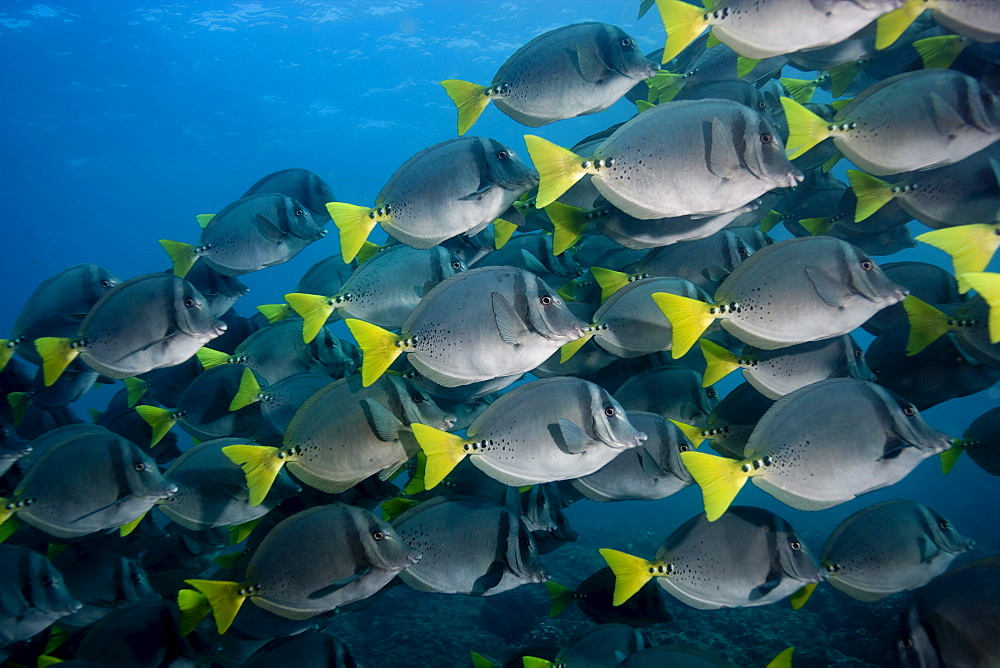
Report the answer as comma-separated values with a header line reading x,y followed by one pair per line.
x,y
795,177
219,328
639,438
414,557
448,421
74,606
169,490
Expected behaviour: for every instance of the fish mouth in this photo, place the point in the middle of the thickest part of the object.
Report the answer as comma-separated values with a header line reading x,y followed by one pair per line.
x,y
448,421
414,557
639,438
793,178
219,328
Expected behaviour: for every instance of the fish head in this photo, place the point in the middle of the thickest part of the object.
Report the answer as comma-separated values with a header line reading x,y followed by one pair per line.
x,y
794,557
763,152
98,281
855,363
983,107
192,315
622,54
384,549
547,313
418,406
611,424
507,170
445,263
331,352
944,535
907,426
521,556
133,581
45,590
142,476
915,646
299,221
866,278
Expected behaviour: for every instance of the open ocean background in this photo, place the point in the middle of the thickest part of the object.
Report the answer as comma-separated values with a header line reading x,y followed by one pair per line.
x,y
122,120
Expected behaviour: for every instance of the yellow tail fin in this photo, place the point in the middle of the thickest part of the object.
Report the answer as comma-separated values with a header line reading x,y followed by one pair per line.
x,y
56,354
480,661
719,362
950,456
744,65
275,312
314,309
559,597
769,222
225,599
240,532
817,226
194,607
261,465
18,402
558,169
890,26
799,598
805,129
801,90
691,432
631,573
416,483
666,85
204,219
444,451
569,349
135,389
369,249
841,76
683,23
927,324
720,480
355,224
211,358
689,318
784,659
939,52
182,255
248,392
535,662
396,506
569,223
379,348
160,419
502,232
971,246
470,99
129,527
872,193
987,284
7,348
611,281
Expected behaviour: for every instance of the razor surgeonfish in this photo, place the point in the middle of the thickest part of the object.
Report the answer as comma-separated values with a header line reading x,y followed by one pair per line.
x,y
980,441
301,186
33,595
573,70
594,598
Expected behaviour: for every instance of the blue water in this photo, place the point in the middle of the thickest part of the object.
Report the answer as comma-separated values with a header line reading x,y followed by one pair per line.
x,y
122,122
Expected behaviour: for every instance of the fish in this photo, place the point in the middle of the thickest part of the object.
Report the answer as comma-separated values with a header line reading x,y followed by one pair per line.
x,y
570,71
593,597
56,308
978,441
148,322
793,292
977,19
458,186
729,424
652,471
12,446
383,291
890,547
673,392
309,649
248,235
929,282
220,291
760,29
750,557
34,596
664,163
912,121
102,582
604,645
459,335
278,401
493,551
301,185
339,553
859,438
542,431
968,321
144,633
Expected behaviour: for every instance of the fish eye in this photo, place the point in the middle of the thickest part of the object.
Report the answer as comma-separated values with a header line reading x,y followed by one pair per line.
x,y
766,138
795,545
683,448
47,580
524,542
503,155
139,466
858,353
105,284
378,535
909,411
944,524
762,104
906,642
609,411
867,265
189,302
711,393
456,265
627,42
742,252
546,300
300,212
417,397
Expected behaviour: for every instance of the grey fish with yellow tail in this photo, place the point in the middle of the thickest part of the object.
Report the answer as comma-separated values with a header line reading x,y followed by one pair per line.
x,y
382,291
341,435
313,562
750,557
729,425
88,479
248,235
968,322
542,431
146,323
980,441
912,121
666,162
977,19
34,595
573,70
456,187
675,392
278,401
56,308
303,186
890,547
602,645
475,326
859,437
12,446
102,581
594,598
793,292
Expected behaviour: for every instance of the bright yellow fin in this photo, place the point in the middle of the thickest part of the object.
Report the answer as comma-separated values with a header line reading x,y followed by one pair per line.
x,y
480,661
769,222
720,480
135,388
248,392
799,598
719,362
987,284
261,465
927,324
784,659
161,420
355,224
950,456
416,483
569,223
831,163
276,312
939,52
129,527
872,193
559,597
841,76
691,432
816,226
971,246
643,105
224,598
44,661
369,249
558,169
712,40
240,532
8,523
611,281
502,232
396,506
444,451
801,90
5,512
204,219
744,65
535,662
689,318
57,638
683,23
314,309
569,349
666,85
891,25
56,354
805,129
7,348
194,607
210,358
379,348
181,254
470,99
631,573
18,402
